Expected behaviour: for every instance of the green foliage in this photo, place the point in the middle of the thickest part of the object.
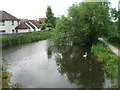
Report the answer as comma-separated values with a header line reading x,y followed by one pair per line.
x,y
114,13
41,24
50,16
85,23
109,58
25,38
113,35
114,39
62,31
49,25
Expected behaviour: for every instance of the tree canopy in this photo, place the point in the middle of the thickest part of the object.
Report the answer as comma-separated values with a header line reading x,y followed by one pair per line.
x,y
85,23
50,16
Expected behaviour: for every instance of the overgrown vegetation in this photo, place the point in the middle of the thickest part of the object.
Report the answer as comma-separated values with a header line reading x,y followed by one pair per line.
x,y
47,25
109,59
41,24
114,40
113,35
85,23
25,38
5,79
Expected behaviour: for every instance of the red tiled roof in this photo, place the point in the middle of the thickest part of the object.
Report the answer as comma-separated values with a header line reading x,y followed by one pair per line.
x,y
6,16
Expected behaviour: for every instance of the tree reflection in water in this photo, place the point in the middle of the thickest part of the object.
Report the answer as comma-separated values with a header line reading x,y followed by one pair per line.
x,y
85,73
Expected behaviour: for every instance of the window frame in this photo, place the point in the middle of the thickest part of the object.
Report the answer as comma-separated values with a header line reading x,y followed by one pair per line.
x,y
12,22
2,23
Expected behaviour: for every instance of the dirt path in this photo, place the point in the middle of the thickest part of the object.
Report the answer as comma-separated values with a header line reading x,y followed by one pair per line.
x,y
114,49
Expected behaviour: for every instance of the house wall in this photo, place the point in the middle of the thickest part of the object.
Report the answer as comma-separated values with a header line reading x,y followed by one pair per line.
x,y
23,30
47,28
2,28
8,27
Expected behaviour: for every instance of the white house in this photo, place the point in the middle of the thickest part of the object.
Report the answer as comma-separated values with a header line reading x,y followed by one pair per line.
x,y
22,28
8,22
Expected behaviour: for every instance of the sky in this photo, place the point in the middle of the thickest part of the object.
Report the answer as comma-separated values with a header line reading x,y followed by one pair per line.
x,y
34,9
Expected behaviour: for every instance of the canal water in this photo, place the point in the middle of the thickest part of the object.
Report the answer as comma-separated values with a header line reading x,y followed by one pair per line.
x,y
42,65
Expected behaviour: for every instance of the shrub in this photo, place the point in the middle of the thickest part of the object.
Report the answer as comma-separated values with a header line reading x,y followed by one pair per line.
x,y
49,25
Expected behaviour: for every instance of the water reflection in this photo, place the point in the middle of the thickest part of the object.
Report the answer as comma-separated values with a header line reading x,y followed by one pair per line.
x,y
80,71
40,65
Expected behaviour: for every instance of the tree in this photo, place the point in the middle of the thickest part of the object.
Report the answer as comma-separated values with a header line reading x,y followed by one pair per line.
x,y
50,16
85,23
114,13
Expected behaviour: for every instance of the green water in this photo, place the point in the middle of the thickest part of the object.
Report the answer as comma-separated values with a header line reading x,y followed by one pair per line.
x,y
40,65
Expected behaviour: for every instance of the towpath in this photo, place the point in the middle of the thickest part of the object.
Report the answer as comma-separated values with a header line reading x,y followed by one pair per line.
x,y
114,49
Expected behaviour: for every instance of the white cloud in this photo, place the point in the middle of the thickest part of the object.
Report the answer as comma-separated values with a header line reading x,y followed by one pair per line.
x,y
33,9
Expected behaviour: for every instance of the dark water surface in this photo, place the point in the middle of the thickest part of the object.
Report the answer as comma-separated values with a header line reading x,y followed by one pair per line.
x,y
39,65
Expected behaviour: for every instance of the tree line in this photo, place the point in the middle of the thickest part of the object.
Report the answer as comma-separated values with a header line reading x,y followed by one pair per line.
x,y
85,22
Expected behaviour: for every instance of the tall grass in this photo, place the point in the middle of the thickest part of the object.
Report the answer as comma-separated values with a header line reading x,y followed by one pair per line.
x,y
25,38
5,78
110,61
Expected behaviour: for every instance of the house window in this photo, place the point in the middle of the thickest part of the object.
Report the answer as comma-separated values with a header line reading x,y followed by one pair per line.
x,y
2,23
17,22
2,31
12,22
12,31
16,31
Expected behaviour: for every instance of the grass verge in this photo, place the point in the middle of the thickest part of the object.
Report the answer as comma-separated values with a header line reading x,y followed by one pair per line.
x,y
110,61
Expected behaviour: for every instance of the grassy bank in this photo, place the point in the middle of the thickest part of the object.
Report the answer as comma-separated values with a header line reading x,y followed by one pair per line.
x,y
109,59
25,38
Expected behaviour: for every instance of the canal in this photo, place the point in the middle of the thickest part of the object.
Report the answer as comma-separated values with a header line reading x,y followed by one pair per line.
x,y
42,65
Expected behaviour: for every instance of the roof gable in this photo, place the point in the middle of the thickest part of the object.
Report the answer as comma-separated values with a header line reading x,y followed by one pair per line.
x,y
22,26
35,22
6,16
30,24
